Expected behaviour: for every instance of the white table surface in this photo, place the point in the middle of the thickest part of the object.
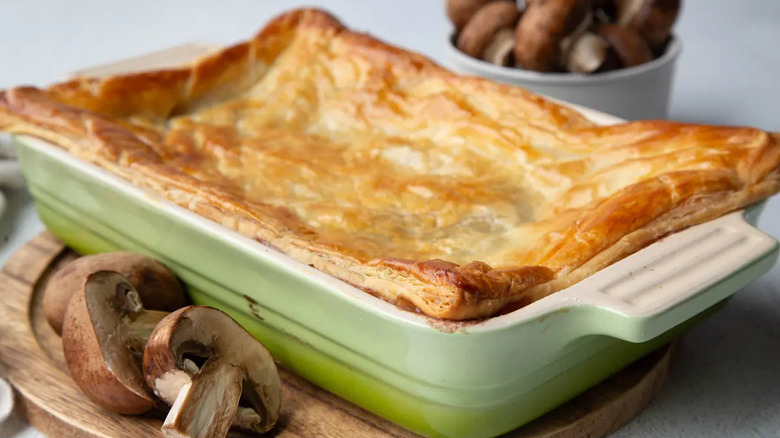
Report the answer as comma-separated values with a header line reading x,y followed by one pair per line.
x,y
725,382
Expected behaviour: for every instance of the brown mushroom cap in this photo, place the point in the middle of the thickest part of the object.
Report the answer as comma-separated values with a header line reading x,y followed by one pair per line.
x,y
147,275
484,25
629,47
213,373
542,28
460,11
652,19
103,335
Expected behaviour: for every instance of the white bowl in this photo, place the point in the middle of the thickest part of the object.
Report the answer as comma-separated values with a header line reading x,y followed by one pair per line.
x,y
635,93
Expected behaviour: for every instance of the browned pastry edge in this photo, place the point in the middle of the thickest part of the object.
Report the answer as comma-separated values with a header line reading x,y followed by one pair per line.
x,y
67,114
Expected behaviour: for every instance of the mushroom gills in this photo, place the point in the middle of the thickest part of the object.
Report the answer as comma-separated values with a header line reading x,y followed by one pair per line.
x,y
193,356
138,329
121,325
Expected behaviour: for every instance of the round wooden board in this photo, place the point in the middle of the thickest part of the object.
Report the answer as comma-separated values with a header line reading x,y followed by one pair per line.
x,y
31,358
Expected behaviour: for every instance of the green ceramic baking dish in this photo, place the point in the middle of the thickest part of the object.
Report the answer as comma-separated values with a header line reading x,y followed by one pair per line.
x,y
437,379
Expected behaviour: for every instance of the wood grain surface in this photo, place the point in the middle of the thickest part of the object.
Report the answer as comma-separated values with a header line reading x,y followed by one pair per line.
x,y
31,357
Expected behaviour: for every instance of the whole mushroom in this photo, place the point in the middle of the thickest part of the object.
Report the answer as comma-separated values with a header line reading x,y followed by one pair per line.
x,y
144,273
482,28
460,11
541,34
652,19
607,48
627,44
213,373
103,337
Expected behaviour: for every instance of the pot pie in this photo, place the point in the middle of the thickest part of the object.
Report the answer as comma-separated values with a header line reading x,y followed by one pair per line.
x,y
457,196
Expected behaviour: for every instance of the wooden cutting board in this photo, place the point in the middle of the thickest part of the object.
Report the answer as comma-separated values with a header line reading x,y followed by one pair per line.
x,y
31,357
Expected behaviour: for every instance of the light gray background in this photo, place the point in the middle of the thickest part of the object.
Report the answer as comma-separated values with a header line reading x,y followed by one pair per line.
x,y
725,382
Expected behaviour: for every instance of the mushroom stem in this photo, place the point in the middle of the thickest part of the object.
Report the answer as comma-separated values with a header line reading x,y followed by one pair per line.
x,y
206,406
581,29
213,373
498,50
587,54
139,328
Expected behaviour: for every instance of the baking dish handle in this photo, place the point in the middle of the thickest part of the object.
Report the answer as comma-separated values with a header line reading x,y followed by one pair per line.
x,y
675,279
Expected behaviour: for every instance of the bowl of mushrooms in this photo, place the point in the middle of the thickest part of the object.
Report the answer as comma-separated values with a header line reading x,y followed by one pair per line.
x,y
616,56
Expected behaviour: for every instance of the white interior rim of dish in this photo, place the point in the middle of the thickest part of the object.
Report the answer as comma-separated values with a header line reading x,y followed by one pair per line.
x,y
518,75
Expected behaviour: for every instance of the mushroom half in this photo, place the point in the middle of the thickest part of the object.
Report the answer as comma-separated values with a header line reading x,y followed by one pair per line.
x,y
146,274
213,373
103,337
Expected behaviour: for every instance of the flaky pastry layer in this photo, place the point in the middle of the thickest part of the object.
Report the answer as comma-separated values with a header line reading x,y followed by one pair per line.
x,y
456,195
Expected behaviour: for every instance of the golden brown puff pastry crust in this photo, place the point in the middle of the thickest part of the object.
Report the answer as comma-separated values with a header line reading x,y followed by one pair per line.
x,y
457,195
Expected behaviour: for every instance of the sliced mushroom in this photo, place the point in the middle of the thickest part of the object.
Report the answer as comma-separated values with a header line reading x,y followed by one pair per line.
x,y
460,11
103,337
499,50
213,373
484,25
543,28
144,273
652,19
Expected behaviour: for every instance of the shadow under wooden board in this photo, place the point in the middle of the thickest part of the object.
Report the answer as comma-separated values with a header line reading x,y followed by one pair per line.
x,y
32,360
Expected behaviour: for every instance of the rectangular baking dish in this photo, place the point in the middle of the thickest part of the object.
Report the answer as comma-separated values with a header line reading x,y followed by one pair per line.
x,y
433,377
